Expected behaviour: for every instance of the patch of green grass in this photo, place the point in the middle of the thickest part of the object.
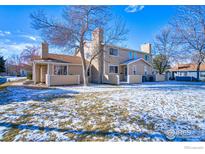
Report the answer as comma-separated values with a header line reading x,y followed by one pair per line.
x,y
4,85
11,134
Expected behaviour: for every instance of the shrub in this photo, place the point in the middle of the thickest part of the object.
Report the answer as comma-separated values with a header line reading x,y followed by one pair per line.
x,y
29,76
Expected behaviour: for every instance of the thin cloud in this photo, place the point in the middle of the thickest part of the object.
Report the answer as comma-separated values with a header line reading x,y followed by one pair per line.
x,y
7,32
33,38
4,33
134,8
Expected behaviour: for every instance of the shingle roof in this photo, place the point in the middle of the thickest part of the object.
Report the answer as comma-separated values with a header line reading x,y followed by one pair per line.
x,y
187,67
61,58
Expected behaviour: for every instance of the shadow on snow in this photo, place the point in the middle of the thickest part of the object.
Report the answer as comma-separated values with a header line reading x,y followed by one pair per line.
x,y
21,93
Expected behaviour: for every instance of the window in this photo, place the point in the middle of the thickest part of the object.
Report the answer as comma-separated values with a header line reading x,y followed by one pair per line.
x,y
113,52
146,57
130,55
113,69
60,70
185,73
202,74
87,55
135,55
134,68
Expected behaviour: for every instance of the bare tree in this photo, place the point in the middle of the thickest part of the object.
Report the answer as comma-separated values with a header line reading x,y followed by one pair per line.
x,y
28,53
189,25
164,50
13,63
74,29
2,64
161,63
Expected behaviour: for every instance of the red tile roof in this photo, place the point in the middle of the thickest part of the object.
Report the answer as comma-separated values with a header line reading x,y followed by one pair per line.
x,y
187,67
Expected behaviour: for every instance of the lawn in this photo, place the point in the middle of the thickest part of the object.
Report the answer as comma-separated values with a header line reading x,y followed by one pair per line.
x,y
158,111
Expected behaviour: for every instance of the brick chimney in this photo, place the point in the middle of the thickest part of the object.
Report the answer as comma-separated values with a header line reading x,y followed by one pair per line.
x,y
146,47
96,46
44,50
97,35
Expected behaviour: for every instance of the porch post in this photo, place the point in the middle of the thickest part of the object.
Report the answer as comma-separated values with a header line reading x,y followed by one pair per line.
x,y
128,78
34,73
48,81
48,69
67,69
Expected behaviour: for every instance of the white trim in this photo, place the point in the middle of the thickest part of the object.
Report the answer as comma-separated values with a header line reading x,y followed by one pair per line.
x,y
49,62
113,65
128,78
136,61
104,48
78,79
118,79
48,80
48,69
128,73
104,53
34,73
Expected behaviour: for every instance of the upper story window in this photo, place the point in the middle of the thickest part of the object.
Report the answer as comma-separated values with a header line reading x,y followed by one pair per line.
x,y
113,52
113,69
146,57
130,54
60,70
135,55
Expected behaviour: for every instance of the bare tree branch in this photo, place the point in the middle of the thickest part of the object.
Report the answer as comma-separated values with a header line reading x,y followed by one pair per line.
x,y
189,26
76,27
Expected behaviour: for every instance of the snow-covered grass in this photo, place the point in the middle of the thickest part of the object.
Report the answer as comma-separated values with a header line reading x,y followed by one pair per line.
x,y
14,78
158,111
4,79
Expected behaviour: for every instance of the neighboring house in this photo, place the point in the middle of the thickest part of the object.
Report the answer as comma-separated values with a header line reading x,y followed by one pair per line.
x,y
25,69
187,71
114,65
18,70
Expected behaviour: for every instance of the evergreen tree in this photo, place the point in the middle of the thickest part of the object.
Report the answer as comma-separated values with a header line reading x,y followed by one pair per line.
x,y
2,64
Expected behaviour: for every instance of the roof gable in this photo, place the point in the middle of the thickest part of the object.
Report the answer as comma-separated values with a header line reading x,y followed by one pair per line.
x,y
136,60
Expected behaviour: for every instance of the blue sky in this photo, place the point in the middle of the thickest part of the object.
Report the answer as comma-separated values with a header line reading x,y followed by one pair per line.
x,y
16,32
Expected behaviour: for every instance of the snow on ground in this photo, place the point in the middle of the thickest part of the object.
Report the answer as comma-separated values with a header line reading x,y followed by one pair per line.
x,y
158,111
14,78
4,79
